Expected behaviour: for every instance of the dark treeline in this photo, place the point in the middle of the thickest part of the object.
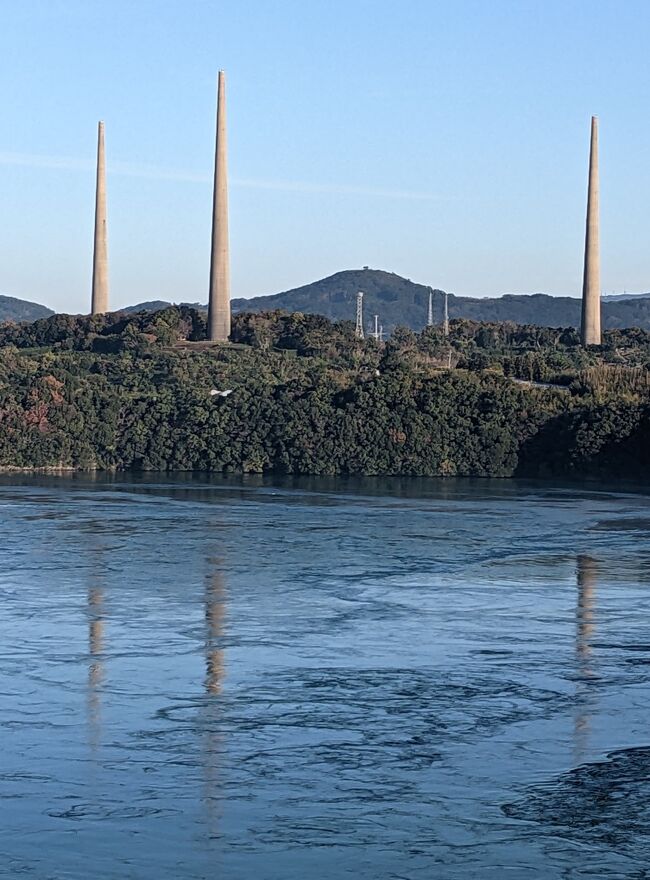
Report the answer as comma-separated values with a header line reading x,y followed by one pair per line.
x,y
133,392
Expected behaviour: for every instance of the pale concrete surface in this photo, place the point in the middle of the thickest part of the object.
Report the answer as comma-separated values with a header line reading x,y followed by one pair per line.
x,y
219,298
590,328
99,299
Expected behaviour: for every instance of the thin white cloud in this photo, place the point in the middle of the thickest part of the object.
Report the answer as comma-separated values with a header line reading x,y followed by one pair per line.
x,y
30,160
151,172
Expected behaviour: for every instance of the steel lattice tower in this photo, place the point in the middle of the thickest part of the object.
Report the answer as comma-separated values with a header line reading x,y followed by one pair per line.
x,y
358,332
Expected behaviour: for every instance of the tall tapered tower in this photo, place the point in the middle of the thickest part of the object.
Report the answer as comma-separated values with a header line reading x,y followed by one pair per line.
x,y
219,300
99,299
590,328
430,310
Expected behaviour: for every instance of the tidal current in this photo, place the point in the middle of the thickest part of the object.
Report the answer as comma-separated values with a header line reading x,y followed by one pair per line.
x,y
258,679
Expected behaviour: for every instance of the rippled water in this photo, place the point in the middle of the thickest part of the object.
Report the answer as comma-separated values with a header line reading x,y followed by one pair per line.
x,y
381,679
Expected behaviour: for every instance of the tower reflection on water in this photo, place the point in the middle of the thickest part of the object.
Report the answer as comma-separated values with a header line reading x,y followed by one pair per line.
x,y
214,618
215,604
586,581
95,611
209,722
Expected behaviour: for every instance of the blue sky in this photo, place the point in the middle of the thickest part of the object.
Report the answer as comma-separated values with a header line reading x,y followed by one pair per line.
x,y
443,141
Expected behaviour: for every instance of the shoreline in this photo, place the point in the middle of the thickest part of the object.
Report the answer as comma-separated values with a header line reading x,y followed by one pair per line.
x,y
625,483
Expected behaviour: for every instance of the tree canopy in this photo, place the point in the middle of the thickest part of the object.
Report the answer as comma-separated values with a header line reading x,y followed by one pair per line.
x,y
134,392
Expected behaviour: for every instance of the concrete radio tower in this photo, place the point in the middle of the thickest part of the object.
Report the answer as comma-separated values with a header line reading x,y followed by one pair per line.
x,y
99,297
430,312
219,298
445,320
590,328
358,330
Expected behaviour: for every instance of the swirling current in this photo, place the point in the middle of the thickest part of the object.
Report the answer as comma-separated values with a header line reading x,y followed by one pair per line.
x,y
279,679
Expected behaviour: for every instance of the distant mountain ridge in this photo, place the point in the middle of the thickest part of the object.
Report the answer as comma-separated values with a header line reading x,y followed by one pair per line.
x,y
156,305
399,301
621,297
13,309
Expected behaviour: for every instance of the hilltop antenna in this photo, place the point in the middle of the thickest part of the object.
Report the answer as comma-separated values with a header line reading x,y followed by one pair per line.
x,y
430,312
445,320
358,330
375,334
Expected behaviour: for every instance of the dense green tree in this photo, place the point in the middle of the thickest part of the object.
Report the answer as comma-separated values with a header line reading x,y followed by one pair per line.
x,y
134,392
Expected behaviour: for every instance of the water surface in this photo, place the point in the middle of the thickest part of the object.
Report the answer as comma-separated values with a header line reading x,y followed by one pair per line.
x,y
325,679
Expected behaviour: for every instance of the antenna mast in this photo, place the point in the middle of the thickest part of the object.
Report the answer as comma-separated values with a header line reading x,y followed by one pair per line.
x,y
445,320
358,331
430,312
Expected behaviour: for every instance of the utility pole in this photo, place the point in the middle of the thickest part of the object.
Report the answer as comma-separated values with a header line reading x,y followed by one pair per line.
x,y
358,331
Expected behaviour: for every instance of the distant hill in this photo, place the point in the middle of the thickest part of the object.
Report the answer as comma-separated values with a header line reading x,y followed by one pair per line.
x,y
157,305
398,300
12,309
621,297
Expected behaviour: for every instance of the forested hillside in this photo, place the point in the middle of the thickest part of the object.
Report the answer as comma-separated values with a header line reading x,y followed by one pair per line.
x,y
306,397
